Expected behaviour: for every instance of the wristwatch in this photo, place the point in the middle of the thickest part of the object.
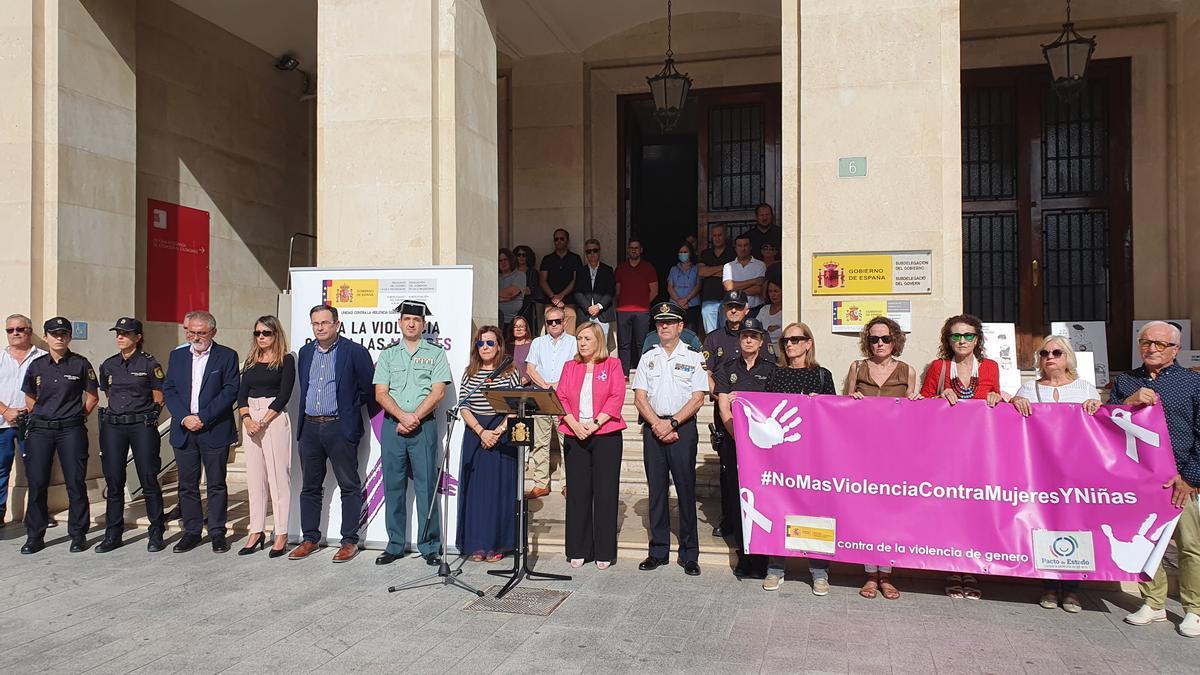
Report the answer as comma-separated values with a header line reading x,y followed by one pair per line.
x,y
674,422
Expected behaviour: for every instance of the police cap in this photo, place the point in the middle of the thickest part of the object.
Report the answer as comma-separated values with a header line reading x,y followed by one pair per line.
x,y
668,311
735,298
752,325
57,325
127,324
413,307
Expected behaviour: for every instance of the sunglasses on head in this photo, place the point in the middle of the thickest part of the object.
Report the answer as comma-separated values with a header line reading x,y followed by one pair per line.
x,y
1056,353
480,343
553,322
876,339
263,333
963,337
796,339
18,329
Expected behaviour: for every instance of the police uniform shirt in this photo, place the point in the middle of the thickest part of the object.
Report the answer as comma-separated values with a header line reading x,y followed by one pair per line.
x,y
130,383
669,380
410,377
733,375
724,345
58,387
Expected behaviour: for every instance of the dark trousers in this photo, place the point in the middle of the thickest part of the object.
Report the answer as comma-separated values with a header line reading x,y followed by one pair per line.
x,y
71,445
631,332
594,465
190,459
10,443
321,443
667,462
414,454
115,442
727,454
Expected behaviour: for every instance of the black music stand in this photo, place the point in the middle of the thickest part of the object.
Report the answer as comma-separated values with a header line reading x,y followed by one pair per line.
x,y
523,403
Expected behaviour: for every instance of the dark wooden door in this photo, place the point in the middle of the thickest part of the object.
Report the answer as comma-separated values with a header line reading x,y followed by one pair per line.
x,y
1046,203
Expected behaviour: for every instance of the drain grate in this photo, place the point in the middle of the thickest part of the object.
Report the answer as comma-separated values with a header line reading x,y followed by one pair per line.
x,y
531,601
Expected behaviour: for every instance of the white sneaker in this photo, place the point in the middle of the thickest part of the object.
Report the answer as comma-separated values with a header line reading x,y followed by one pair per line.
x,y
772,582
1146,615
820,587
1190,626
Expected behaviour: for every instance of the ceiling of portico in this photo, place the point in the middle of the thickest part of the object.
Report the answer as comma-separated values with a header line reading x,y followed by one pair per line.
x,y
527,28
274,26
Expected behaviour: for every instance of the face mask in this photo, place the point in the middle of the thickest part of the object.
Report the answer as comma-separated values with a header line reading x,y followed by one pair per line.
x,y
683,257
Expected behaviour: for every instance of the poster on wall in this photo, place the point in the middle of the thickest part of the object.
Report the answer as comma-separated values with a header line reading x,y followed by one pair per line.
x,y
366,300
875,273
1087,336
1000,345
176,261
1189,359
849,316
1185,338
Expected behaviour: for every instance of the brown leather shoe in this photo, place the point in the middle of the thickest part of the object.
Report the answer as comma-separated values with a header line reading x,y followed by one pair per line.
x,y
537,493
346,553
305,549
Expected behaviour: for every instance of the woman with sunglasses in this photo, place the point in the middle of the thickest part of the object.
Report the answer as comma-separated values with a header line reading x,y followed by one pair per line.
x,y
268,376
487,487
800,374
519,339
961,370
1058,382
881,374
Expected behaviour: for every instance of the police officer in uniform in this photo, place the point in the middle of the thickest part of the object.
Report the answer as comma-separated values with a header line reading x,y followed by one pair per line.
x,y
747,371
132,381
720,346
668,388
60,391
410,381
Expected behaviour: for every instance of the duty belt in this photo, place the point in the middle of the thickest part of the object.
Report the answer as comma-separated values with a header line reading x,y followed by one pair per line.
x,y
388,417
149,418
36,422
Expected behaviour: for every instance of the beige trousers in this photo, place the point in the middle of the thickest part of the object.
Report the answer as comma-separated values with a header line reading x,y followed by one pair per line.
x,y
544,427
1187,543
269,468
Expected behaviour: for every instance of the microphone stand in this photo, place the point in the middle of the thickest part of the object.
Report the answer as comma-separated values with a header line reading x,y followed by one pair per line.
x,y
449,577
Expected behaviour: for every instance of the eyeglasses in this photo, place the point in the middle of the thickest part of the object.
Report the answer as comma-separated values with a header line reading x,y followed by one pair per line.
x,y
1157,345
263,333
195,333
591,250
553,322
963,337
321,324
796,339
18,329
876,339
1056,353
480,343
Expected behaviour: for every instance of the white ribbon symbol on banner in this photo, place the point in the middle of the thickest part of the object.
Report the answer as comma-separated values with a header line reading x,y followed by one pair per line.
x,y
1133,433
751,517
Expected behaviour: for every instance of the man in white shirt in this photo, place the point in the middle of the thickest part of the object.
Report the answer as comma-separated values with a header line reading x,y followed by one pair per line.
x,y
746,273
14,361
547,355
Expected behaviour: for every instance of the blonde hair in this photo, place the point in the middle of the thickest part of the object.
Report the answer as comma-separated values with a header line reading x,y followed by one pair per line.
x,y
280,349
601,343
810,359
1068,354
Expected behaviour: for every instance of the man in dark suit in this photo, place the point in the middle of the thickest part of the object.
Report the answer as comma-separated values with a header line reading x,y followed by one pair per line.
x,y
335,382
595,287
200,390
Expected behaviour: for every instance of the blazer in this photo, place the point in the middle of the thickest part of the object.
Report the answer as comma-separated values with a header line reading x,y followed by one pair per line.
x,y
353,371
218,393
608,392
604,292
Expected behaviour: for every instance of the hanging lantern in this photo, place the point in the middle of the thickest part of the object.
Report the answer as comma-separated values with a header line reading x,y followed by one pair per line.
x,y
669,87
1068,58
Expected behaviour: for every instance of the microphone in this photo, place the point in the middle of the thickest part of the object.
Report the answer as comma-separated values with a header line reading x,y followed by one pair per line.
x,y
499,369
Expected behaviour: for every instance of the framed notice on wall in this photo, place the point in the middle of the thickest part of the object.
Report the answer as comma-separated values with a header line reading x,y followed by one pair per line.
x,y
873,273
176,261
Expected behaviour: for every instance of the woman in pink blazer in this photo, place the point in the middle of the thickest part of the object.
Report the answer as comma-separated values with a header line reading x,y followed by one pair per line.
x,y
592,391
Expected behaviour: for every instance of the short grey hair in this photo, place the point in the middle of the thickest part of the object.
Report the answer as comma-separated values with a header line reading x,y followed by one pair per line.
x,y
24,319
200,315
1162,324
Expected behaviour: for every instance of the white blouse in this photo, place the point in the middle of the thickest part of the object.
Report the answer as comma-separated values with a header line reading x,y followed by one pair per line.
x,y
1078,391
585,400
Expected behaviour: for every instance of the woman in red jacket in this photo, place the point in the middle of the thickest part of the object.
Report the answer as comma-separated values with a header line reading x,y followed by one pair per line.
x,y
592,391
961,371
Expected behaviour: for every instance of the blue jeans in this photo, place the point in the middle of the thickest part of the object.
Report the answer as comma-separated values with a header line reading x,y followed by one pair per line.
x,y
710,312
817,567
10,441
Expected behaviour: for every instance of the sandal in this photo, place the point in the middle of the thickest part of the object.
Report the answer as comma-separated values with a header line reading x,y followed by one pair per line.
x,y
871,588
954,586
494,557
885,586
476,557
971,588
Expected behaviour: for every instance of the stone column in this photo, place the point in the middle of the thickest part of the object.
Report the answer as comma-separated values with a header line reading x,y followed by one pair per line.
x,y
880,80
1187,302
406,138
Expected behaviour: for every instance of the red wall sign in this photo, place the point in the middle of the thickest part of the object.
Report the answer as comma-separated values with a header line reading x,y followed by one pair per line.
x,y
176,261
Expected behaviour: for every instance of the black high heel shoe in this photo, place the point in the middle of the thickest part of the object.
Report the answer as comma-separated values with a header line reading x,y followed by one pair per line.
x,y
276,552
256,546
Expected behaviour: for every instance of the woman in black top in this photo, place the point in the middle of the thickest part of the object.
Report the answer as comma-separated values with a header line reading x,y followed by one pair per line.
x,y
268,377
800,374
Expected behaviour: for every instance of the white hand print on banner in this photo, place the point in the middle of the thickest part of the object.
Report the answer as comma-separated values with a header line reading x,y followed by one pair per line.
x,y
751,517
1133,433
1132,556
772,431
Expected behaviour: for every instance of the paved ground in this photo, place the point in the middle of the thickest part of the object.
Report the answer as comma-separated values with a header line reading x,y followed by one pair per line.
x,y
201,612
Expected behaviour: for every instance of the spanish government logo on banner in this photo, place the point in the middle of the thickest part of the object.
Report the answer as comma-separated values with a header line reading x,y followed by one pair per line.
x,y
350,292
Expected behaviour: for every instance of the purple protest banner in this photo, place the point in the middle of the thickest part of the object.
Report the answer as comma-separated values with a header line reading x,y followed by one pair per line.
x,y
922,484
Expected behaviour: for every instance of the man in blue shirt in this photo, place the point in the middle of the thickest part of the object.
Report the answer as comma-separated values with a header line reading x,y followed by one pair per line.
x,y
1162,381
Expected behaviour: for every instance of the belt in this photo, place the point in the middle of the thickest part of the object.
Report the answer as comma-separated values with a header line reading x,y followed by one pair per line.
x,y
43,423
320,419
424,419
148,417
